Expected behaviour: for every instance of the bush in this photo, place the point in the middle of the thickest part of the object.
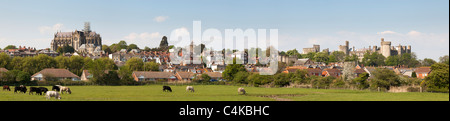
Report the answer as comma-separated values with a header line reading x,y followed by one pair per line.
x,y
413,89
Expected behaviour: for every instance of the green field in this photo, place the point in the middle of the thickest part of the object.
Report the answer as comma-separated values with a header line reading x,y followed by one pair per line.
x,y
221,93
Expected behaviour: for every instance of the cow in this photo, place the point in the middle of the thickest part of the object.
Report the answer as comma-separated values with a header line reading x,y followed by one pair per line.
x,y
63,89
6,87
56,88
50,94
190,88
20,88
166,88
36,90
241,90
43,89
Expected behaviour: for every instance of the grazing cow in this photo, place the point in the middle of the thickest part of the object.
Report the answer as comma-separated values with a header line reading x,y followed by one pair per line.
x,y
43,89
20,88
56,88
190,88
6,87
64,89
241,90
50,94
166,88
36,90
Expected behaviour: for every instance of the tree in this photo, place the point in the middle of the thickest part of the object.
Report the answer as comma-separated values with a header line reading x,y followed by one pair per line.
x,y
337,56
241,77
4,60
151,66
438,80
427,62
281,79
361,81
393,60
107,49
97,69
321,57
384,78
164,44
231,70
62,62
373,59
294,53
16,63
10,47
76,65
44,61
444,59
409,59
135,64
132,46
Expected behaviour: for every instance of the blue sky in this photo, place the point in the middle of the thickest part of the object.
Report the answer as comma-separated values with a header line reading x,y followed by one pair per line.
x,y
423,24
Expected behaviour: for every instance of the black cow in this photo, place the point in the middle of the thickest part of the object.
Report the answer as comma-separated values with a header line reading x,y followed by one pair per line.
x,y
167,88
43,89
36,90
56,87
20,89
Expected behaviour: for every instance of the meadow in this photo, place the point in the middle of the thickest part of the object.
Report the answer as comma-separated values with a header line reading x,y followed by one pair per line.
x,y
221,93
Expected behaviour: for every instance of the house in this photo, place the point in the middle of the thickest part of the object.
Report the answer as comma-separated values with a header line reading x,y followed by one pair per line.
x,y
153,76
423,72
58,74
215,76
314,72
301,62
185,76
292,69
331,72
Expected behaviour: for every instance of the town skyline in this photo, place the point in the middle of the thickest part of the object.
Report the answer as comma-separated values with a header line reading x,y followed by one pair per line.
x,y
421,24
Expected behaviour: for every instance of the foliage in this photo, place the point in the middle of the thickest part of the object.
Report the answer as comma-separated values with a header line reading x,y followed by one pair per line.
x,y
4,60
151,66
373,59
231,70
438,80
361,81
10,47
135,64
444,59
241,77
384,78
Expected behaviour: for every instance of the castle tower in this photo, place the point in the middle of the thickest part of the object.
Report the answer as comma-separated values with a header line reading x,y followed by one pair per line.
x,y
385,48
408,49
316,48
399,50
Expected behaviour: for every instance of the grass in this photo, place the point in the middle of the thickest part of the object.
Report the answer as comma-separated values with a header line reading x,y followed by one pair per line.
x,y
221,93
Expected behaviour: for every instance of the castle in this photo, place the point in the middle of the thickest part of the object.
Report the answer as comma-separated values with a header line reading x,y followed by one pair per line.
x,y
386,49
85,41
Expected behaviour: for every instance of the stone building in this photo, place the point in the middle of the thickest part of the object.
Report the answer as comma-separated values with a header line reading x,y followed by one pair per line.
x,y
315,48
77,38
386,49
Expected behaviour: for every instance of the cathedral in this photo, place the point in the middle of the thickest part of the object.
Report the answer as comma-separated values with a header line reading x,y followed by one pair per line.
x,y
79,40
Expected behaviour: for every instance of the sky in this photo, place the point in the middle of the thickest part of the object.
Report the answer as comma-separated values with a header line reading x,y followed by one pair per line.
x,y
423,24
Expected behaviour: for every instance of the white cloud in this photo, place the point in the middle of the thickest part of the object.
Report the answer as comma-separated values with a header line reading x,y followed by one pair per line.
x,y
51,29
414,33
386,32
160,18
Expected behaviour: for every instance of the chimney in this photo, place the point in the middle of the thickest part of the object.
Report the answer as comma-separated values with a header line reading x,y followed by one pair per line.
x,y
382,39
